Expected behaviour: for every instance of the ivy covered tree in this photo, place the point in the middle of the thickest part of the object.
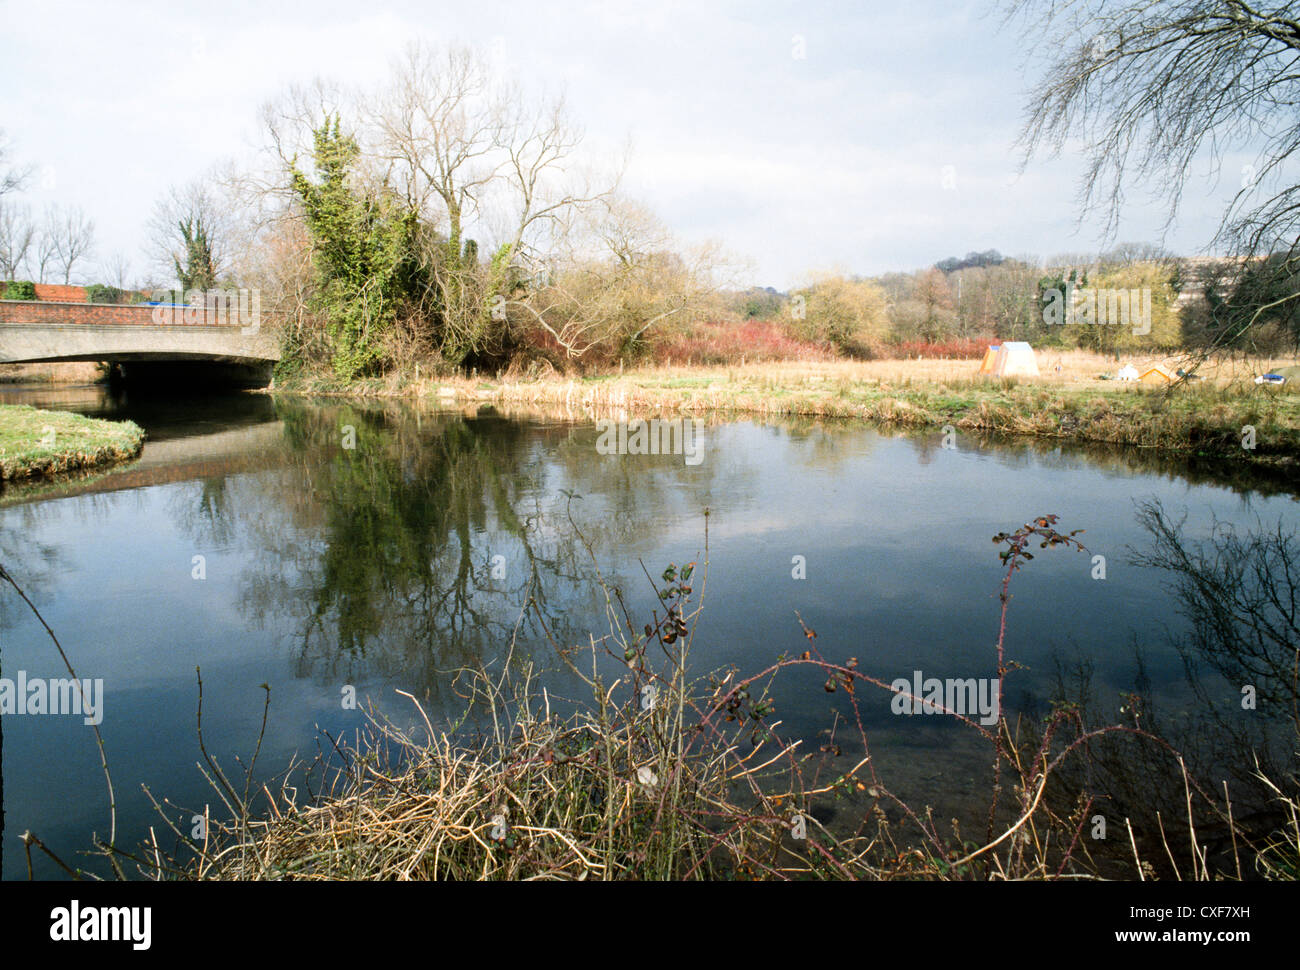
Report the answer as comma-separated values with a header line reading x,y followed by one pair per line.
x,y
363,241
198,271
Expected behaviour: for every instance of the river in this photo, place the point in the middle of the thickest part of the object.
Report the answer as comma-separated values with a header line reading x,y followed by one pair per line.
x,y
321,546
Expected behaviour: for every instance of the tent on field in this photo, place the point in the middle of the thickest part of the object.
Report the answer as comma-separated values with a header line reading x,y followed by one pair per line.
x,y
990,355
1015,358
1159,374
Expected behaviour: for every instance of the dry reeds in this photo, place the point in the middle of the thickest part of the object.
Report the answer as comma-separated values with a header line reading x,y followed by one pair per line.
x,y
1201,417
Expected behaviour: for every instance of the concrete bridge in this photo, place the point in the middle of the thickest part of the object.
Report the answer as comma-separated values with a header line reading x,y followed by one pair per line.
x,y
142,338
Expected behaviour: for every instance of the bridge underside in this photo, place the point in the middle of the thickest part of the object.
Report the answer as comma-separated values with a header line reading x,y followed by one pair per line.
x,y
178,373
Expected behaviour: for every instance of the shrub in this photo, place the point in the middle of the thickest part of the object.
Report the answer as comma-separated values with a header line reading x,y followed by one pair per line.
x,y
98,293
848,314
20,290
730,343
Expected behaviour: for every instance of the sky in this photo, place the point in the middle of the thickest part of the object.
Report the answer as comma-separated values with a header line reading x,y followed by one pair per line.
x,y
861,137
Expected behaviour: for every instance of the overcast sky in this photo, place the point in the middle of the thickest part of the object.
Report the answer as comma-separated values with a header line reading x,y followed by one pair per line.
x,y
861,136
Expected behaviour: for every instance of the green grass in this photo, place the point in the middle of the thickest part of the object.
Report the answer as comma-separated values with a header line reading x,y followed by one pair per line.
x,y
36,443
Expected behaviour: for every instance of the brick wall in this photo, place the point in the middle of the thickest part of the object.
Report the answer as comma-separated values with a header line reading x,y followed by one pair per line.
x,y
29,311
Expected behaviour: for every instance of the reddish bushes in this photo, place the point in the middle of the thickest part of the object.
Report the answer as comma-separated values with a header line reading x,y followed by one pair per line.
x,y
730,343
751,341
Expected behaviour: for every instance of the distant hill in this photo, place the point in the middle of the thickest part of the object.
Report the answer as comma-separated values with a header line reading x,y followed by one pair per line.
x,y
990,257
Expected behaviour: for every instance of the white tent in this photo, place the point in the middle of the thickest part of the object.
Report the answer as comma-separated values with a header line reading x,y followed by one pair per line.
x,y
1015,359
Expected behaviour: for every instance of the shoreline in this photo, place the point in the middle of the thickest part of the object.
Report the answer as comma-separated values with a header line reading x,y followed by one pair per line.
x,y
1195,421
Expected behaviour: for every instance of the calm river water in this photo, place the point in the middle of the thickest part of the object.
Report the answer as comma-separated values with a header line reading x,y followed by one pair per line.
x,y
390,564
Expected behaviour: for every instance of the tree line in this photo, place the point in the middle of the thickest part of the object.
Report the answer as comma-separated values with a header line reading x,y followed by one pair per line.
x,y
444,217
1193,304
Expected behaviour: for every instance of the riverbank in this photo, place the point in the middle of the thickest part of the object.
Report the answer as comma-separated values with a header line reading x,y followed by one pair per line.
x,y
696,784
55,373
35,443
1206,419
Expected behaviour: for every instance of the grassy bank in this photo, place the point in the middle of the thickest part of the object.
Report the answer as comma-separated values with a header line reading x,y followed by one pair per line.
x,y
1206,418
36,443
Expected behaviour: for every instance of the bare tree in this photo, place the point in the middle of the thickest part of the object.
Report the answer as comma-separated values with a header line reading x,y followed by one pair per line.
x,y
1017,311
16,229
191,223
617,279
438,126
471,155
11,179
44,252
1153,88
17,232
72,236
1150,86
117,270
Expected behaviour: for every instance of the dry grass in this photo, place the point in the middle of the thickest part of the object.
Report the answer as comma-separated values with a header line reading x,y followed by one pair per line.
x,y
1078,370
1203,418
1069,371
655,776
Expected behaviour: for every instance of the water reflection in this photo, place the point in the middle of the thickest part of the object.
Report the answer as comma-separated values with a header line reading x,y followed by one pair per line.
x,y
413,551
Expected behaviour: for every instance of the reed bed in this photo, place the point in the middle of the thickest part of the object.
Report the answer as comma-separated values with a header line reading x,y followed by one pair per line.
x,y
571,799
1204,417
1194,420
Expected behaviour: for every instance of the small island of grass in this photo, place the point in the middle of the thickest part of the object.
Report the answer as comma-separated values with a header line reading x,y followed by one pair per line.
x,y
35,443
